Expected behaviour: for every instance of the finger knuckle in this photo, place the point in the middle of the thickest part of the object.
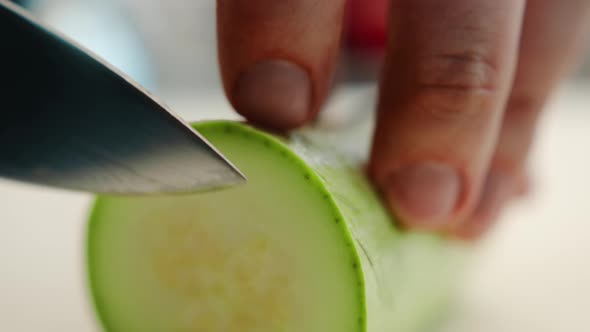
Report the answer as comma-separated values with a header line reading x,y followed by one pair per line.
x,y
470,72
456,84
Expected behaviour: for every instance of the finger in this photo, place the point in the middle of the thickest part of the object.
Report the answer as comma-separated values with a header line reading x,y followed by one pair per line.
x,y
499,189
446,78
553,36
277,57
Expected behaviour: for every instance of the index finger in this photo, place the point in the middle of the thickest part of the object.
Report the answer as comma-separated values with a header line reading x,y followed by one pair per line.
x,y
277,57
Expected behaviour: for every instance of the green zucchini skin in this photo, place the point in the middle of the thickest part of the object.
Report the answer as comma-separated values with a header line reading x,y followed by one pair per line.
x,y
409,278
403,281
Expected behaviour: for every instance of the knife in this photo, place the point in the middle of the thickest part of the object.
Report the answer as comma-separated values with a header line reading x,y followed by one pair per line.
x,y
68,119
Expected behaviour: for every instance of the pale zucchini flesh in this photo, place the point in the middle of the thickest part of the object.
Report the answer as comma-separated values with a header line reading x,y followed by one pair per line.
x,y
305,245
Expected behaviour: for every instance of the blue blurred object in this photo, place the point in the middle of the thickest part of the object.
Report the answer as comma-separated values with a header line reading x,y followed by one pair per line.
x,y
103,27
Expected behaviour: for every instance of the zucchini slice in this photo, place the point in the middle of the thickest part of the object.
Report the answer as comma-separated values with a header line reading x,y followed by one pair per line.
x,y
304,246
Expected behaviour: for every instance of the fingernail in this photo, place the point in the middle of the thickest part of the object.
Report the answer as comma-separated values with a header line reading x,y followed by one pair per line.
x,y
424,195
497,189
273,93
522,186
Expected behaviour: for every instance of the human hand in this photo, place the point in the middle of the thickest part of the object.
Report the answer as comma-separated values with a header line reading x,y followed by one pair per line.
x,y
462,86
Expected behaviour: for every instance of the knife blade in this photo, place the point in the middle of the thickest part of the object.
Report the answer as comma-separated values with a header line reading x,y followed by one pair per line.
x,y
69,119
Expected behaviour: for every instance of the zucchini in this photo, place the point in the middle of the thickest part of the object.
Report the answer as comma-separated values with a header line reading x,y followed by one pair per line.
x,y
305,245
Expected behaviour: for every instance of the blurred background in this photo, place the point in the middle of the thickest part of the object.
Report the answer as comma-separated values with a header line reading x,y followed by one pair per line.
x,y
533,273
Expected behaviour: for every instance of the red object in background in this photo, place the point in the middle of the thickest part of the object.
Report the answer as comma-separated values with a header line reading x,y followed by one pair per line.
x,y
366,26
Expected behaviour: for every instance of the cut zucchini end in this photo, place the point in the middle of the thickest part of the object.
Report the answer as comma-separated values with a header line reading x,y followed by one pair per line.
x,y
271,255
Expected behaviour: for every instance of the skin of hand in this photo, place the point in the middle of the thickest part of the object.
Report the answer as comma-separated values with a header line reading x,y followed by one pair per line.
x,y
461,89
